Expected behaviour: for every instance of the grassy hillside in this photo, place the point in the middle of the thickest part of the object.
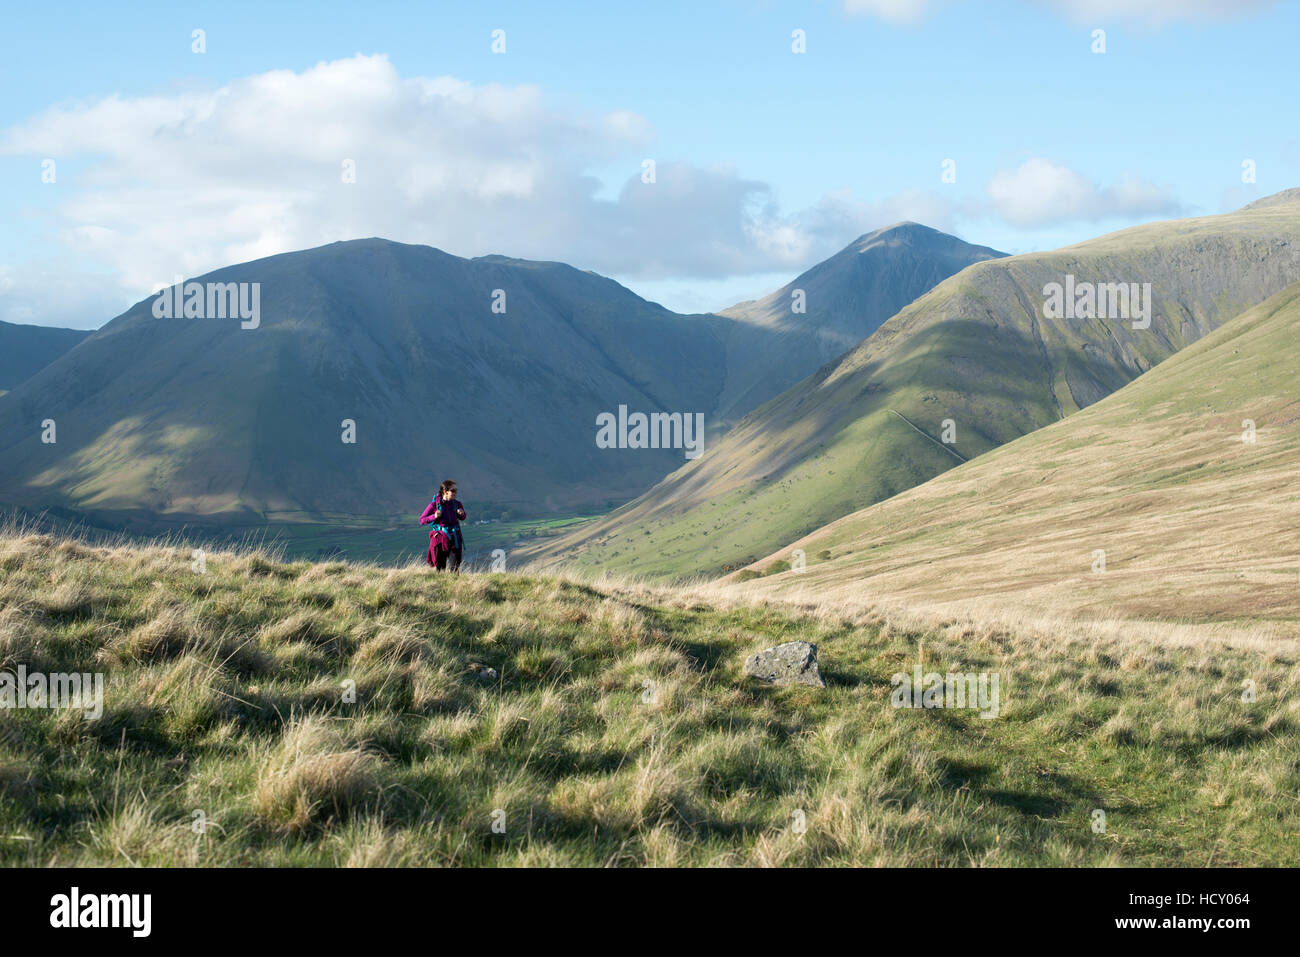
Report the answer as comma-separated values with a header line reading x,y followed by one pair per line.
x,y
976,350
846,298
25,350
1196,523
617,730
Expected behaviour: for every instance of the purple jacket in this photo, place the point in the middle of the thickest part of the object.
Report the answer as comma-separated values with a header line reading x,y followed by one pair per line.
x,y
436,512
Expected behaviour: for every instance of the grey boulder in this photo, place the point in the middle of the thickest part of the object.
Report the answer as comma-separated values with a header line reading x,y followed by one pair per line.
x,y
793,663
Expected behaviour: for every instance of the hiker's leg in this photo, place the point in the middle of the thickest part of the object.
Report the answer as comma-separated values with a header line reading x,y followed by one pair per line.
x,y
442,561
457,549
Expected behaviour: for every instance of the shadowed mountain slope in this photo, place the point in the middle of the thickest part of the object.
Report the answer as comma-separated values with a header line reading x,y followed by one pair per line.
x,y
25,350
201,416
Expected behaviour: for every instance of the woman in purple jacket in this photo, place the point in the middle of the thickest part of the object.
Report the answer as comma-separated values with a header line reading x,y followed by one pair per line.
x,y
446,512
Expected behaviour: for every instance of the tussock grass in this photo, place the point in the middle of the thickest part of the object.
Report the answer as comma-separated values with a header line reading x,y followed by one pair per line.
x,y
272,713
313,774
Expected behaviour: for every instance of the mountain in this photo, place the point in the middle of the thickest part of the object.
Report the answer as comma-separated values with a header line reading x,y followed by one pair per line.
x,y
1196,522
203,420
191,417
823,313
25,350
976,359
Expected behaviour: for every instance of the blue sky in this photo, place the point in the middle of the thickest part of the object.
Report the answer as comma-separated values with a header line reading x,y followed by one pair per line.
x,y
174,162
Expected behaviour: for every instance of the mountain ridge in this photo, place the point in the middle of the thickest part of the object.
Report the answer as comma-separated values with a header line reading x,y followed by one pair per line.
x,y
193,419
26,349
846,297
977,353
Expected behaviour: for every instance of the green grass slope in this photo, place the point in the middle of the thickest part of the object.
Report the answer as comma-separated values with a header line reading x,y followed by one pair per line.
x,y
617,730
844,299
976,350
1196,523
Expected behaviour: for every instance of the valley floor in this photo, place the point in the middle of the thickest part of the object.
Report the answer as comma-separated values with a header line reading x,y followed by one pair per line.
x,y
267,713
390,541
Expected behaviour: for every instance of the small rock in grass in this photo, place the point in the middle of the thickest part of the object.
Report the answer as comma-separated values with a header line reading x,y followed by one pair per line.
x,y
793,663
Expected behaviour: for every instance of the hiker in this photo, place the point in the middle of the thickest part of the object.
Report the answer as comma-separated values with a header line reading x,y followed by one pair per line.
x,y
446,544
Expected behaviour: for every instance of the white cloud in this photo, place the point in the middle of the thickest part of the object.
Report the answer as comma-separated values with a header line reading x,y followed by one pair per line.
x,y
186,183
1041,192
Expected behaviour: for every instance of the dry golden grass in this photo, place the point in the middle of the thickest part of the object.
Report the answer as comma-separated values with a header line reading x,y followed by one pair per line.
x,y
1197,526
313,774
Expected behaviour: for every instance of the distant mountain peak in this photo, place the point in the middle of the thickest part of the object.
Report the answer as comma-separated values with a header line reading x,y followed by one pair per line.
x,y
904,229
832,306
910,234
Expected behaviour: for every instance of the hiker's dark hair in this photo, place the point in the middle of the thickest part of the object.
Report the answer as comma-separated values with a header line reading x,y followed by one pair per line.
x,y
446,484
